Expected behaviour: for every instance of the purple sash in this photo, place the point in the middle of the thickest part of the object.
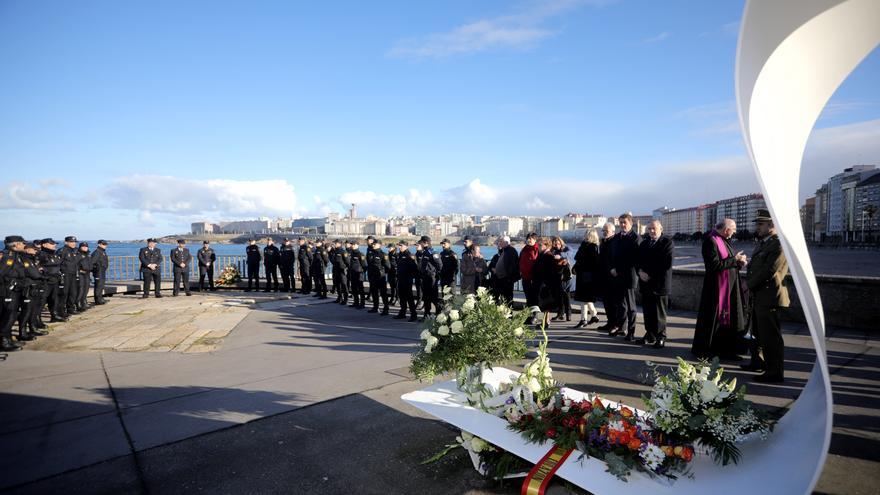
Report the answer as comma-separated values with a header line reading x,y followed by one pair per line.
x,y
723,282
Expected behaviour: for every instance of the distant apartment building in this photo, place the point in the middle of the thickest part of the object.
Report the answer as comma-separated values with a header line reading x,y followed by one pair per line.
x,y
512,226
742,209
867,207
842,216
820,213
261,226
423,227
309,225
808,214
551,227
198,228
683,221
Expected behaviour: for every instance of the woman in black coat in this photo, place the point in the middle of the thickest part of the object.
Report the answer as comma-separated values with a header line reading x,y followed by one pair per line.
x,y
587,272
545,273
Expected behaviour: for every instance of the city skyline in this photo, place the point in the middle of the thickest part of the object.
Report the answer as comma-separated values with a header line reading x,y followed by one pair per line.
x,y
529,108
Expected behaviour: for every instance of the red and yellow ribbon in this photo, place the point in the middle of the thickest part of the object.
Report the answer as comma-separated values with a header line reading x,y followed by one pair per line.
x,y
539,477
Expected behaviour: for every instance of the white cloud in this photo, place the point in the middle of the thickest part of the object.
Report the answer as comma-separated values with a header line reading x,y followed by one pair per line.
x,y
515,31
48,194
537,204
831,149
658,38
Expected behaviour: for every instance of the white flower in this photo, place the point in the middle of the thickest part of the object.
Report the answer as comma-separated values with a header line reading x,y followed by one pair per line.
x,y
653,456
505,310
518,331
441,318
615,425
709,392
425,334
478,445
534,385
453,315
431,342
443,330
482,291
468,305
457,327
447,289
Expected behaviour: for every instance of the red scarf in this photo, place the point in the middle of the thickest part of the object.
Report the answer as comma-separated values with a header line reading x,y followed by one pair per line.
x,y
723,281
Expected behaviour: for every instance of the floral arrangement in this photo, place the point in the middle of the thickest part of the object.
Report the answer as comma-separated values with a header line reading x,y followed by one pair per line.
x,y
471,330
695,404
489,460
229,276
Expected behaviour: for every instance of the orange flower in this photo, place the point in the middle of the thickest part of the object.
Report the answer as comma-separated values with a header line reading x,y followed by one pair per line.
x,y
597,404
634,444
667,449
626,412
687,454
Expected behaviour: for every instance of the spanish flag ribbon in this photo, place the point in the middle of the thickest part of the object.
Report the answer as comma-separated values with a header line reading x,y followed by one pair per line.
x,y
539,477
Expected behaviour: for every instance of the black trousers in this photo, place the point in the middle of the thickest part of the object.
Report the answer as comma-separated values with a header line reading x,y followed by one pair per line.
x,y
654,308
9,312
610,306
357,289
625,309
768,348
100,281
288,282
429,294
504,289
530,288
271,277
71,290
340,283
154,277
37,295
203,271
253,276
82,291
418,289
392,283
181,275
305,278
379,288
565,299
407,300
29,305
319,283
53,297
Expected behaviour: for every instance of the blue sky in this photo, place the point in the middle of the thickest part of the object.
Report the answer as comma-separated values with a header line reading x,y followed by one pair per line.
x,y
124,119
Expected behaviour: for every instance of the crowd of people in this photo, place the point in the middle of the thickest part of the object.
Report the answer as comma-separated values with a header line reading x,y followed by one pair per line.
x,y
38,276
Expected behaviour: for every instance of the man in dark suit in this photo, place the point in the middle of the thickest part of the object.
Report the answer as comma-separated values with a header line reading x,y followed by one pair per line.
x,y
766,281
607,293
151,267
654,263
100,264
181,259
206,258
622,278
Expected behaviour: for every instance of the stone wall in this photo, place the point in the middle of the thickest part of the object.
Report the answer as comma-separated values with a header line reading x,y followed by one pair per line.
x,y
851,302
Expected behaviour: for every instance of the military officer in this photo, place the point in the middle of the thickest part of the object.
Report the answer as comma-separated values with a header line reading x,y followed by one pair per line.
x,y
84,271
377,267
304,257
392,274
206,258
253,265
70,274
100,264
50,261
766,281
340,272
357,265
287,261
407,274
430,269
271,257
151,267
11,278
181,261
319,270
450,264
31,293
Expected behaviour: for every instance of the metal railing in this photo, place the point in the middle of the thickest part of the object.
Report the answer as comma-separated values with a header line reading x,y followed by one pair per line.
x,y
122,268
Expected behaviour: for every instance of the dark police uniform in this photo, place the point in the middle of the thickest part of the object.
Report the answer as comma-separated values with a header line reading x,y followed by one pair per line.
x,y
304,257
420,253
449,261
206,258
84,271
181,273
357,265
377,267
319,271
147,257
100,264
253,266
340,274
69,276
287,261
430,269
766,280
32,294
407,276
392,275
53,297
271,257
11,276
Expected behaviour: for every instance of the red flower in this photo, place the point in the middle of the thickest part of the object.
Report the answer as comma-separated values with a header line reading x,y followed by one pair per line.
x,y
634,444
551,433
687,454
626,412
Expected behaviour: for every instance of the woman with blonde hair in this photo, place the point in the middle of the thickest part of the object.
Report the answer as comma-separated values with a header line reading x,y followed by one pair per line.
x,y
587,273
564,257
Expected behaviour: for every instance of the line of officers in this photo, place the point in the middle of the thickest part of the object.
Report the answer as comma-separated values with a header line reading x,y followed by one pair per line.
x,y
398,268
37,275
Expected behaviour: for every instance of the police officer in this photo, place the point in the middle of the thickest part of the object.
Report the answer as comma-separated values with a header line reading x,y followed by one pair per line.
x,y
377,267
70,274
271,257
348,272
253,265
430,270
340,271
100,263
181,262
304,257
450,264
151,267
392,274
357,265
420,252
12,277
330,247
319,270
31,293
84,271
206,258
367,256
53,297
287,261
766,280
407,275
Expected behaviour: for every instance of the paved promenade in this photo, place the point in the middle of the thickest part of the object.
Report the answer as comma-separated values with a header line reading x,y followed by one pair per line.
x,y
303,396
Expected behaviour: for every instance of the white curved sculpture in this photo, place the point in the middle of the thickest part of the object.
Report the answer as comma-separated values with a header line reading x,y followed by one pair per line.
x,y
792,56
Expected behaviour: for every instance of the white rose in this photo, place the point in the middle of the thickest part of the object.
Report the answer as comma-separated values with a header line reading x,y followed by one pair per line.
x,y
441,318
518,331
431,342
453,315
425,334
478,445
468,305
443,330
534,385
482,291
457,327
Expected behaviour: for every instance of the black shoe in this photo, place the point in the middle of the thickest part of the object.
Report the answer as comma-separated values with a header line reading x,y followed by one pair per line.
x,y
644,340
730,357
158,295
614,331
174,294
580,324
374,310
765,378
605,327
557,318
7,345
39,333
72,312
144,296
41,325
660,344
25,338
413,319
568,317
57,319
189,293
247,290
400,317
754,367
629,338
593,320
385,311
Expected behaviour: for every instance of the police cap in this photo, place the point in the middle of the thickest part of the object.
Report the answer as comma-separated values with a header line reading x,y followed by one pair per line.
x,y
181,241
84,244
467,238
48,240
30,245
10,239
70,238
151,240
102,242
425,238
445,241
205,243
